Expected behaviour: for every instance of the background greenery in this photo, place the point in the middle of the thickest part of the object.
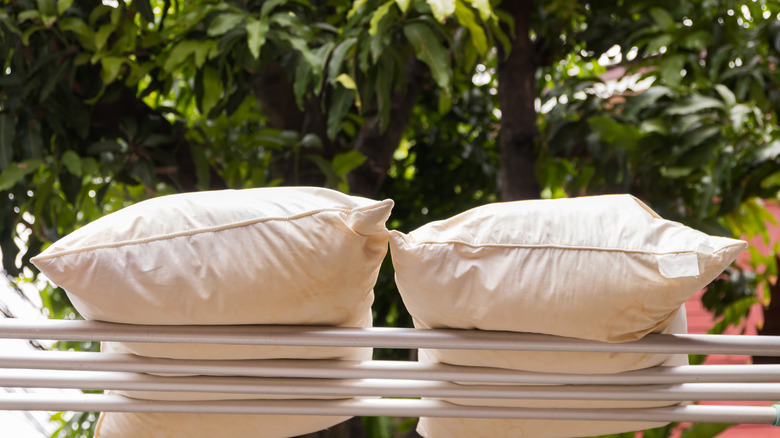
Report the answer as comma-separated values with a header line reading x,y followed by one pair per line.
x,y
441,105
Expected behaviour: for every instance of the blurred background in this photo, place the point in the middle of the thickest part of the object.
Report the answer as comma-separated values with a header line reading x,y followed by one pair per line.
x,y
441,105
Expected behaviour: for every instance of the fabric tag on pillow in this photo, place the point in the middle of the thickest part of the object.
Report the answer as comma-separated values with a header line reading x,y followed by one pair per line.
x,y
678,265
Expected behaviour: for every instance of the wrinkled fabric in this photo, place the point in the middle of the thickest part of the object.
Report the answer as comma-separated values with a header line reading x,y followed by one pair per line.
x,y
165,425
583,267
603,268
292,255
283,255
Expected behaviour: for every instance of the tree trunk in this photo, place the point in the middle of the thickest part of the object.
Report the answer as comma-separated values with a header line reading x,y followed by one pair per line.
x,y
517,92
378,147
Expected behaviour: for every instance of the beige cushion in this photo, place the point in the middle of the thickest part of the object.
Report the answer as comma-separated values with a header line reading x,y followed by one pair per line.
x,y
164,425
285,255
605,268
293,255
485,428
551,362
565,362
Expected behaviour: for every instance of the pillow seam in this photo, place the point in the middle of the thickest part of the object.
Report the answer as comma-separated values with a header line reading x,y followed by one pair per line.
x,y
544,246
169,236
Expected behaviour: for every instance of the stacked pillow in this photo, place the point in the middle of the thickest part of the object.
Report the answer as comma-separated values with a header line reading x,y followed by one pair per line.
x,y
285,255
601,268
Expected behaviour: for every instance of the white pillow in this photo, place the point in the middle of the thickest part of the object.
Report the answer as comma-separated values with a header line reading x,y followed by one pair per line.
x,y
165,425
549,362
489,428
284,255
605,268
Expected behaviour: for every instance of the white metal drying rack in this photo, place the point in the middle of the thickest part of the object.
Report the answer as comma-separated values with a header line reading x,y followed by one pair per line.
x,y
403,382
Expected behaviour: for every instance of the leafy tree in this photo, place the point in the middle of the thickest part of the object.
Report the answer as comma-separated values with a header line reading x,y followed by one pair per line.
x,y
441,105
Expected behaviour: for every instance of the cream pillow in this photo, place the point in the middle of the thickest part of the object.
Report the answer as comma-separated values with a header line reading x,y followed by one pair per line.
x,y
283,255
605,268
286,255
550,362
164,425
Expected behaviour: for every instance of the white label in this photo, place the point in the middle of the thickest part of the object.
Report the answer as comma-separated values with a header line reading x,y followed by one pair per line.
x,y
679,265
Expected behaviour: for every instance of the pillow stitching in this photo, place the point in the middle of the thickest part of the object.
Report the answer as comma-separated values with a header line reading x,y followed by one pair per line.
x,y
543,246
205,230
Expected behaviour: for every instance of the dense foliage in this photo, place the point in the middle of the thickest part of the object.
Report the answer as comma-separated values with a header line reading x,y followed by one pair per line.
x,y
441,105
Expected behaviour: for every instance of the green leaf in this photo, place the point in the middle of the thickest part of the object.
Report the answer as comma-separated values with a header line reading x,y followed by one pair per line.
x,y
225,22
7,134
675,172
268,6
430,51
726,94
403,5
112,65
355,6
338,56
200,49
345,162
772,180
671,69
30,14
104,146
17,171
739,115
212,89
695,104
202,168
303,76
144,8
445,102
47,8
611,131
662,18
101,36
346,81
340,103
9,22
654,45
29,32
441,9
384,91
72,162
63,5
467,19
698,40
77,26
89,166
377,16
483,7
256,30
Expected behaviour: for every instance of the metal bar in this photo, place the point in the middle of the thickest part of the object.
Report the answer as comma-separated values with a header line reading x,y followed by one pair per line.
x,y
384,407
382,337
380,387
338,369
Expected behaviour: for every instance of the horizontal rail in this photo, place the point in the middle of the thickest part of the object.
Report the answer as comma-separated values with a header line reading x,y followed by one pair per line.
x,y
384,407
380,387
370,369
381,337
330,369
